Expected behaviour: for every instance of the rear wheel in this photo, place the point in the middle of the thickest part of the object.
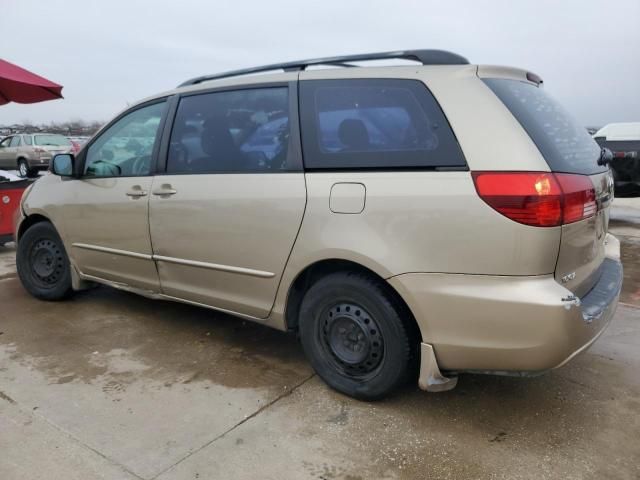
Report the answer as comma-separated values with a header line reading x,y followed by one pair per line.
x,y
23,168
42,262
356,335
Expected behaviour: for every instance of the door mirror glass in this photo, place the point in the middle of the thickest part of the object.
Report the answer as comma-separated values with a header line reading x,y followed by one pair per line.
x,y
62,165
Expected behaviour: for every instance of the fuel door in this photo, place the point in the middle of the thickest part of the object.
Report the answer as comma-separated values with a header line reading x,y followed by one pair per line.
x,y
347,197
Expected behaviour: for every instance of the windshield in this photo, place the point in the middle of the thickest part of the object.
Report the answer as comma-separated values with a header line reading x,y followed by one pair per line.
x,y
52,140
566,146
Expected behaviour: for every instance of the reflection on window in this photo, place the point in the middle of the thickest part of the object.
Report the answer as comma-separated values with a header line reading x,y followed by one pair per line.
x,y
364,119
565,144
374,123
125,148
236,131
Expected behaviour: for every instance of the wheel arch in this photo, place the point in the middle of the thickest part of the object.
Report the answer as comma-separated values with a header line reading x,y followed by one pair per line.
x,y
31,220
313,272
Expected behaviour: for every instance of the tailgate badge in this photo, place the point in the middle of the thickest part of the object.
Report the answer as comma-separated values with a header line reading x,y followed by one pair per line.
x,y
568,277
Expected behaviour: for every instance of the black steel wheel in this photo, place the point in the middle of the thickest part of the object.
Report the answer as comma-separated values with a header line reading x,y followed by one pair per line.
x,y
42,262
352,339
47,262
357,335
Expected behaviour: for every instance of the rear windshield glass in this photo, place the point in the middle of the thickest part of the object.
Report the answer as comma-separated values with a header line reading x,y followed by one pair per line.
x,y
565,144
52,140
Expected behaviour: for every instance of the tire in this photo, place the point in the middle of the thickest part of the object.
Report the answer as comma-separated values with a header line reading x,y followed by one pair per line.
x,y
43,264
357,335
23,169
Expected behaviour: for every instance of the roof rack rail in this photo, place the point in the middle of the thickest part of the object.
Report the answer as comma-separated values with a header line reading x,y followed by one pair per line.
x,y
426,57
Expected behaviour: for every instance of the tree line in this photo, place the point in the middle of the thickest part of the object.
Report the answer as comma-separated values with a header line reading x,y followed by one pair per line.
x,y
69,128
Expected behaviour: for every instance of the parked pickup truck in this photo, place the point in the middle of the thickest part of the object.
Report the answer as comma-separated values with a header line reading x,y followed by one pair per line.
x,y
623,139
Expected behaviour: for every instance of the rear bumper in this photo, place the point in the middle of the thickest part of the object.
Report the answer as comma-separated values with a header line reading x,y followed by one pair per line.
x,y
509,325
39,164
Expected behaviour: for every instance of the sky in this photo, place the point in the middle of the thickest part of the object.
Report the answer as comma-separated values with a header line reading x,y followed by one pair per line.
x,y
110,53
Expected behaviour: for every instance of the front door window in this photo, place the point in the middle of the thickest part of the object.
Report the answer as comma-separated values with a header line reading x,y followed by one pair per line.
x,y
125,148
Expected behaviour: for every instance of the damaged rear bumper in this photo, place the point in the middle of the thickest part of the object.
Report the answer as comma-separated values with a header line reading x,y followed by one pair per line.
x,y
506,325
599,305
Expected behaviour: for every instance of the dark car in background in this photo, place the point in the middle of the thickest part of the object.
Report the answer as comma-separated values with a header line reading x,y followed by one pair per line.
x,y
623,139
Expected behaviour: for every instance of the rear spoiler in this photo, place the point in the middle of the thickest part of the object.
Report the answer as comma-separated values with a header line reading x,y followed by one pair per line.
x,y
498,71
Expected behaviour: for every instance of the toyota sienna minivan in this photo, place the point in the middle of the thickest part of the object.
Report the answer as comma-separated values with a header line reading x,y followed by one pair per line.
x,y
408,222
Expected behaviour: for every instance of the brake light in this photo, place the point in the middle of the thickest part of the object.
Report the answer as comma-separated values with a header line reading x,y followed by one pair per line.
x,y
625,154
579,197
540,199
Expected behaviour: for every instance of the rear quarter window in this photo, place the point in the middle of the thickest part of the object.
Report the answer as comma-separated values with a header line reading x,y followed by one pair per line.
x,y
565,144
375,123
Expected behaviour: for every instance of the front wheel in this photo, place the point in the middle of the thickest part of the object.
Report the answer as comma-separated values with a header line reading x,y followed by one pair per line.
x,y
42,263
357,335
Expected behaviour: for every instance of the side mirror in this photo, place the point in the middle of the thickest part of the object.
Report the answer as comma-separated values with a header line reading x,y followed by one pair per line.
x,y
62,164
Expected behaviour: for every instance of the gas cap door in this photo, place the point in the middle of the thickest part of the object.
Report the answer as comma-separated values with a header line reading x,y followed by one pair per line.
x,y
347,197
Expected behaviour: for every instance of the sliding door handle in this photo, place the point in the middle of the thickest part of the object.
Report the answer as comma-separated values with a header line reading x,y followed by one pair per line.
x,y
165,190
136,191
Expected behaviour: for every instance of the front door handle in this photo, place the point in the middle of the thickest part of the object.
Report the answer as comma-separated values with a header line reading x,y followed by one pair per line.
x,y
136,191
165,190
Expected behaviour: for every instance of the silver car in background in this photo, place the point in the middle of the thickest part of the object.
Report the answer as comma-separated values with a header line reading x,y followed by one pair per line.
x,y
29,153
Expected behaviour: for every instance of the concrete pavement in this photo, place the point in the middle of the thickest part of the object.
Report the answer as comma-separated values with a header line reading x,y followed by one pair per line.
x,y
114,386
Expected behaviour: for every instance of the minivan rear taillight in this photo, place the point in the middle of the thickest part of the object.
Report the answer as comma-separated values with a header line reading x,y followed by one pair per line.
x,y
540,199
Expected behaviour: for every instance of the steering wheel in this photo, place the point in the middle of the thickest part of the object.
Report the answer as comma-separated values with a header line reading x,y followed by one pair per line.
x,y
141,165
109,164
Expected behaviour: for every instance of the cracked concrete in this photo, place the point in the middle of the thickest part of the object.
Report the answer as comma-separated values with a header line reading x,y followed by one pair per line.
x,y
113,386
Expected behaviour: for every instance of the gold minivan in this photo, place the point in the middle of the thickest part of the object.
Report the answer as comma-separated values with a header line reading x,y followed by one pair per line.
x,y
415,221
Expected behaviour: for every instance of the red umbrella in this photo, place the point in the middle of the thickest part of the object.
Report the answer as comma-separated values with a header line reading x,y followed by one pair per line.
x,y
22,86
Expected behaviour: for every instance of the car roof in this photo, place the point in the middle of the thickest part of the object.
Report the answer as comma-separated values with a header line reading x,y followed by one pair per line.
x,y
340,72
